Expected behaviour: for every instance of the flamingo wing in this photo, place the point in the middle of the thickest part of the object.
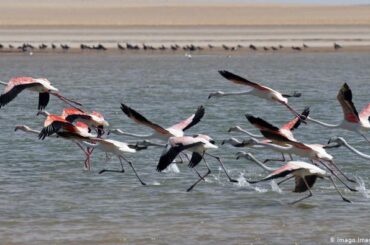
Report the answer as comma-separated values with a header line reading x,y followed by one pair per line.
x,y
191,121
53,124
240,80
260,123
13,89
140,119
170,153
296,122
345,99
365,113
43,100
300,185
195,159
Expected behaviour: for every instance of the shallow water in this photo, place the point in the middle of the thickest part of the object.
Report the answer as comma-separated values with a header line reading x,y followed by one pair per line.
x,y
47,198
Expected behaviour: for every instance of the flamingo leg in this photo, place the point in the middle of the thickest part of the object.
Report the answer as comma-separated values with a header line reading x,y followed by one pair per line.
x,y
349,188
365,138
291,158
223,167
200,178
87,153
332,181
67,101
295,112
341,172
275,160
286,179
114,171
303,198
132,166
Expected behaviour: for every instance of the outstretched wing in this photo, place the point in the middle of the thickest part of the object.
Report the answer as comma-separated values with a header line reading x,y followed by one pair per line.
x,y
240,80
345,99
43,100
191,121
260,123
296,122
170,153
365,113
140,119
300,185
13,89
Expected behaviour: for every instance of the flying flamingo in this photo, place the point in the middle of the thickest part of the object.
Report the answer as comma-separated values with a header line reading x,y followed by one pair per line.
x,y
94,120
40,85
197,144
160,133
256,90
305,175
353,121
117,148
74,138
342,142
58,125
314,152
286,131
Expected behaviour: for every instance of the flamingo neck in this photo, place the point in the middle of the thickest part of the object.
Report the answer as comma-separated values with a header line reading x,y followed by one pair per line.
x,y
351,148
284,149
251,134
261,164
236,93
322,123
120,132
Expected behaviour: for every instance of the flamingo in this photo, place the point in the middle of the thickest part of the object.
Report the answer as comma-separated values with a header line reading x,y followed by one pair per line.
x,y
58,125
93,120
73,138
315,152
198,144
305,175
40,85
353,121
117,148
342,142
258,90
160,133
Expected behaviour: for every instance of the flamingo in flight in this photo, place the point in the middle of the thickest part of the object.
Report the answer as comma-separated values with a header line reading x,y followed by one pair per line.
x,y
117,148
353,121
198,144
160,133
40,85
342,142
74,138
287,129
94,120
305,175
314,152
257,90
61,127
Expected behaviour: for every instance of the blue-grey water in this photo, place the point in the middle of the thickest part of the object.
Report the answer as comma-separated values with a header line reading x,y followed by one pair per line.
x,y
46,197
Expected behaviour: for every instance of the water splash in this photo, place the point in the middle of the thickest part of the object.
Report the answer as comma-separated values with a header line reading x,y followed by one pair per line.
x,y
275,187
362,188
173,168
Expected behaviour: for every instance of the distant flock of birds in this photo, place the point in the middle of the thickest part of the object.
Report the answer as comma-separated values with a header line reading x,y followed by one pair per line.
x,y
88,130
27,47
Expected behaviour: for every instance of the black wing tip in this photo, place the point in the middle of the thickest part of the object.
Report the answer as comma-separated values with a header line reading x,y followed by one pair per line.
x,y
306,111
226,74
126,109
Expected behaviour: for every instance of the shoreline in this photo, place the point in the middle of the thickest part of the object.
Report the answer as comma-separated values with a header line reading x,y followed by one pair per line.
x,y
187,53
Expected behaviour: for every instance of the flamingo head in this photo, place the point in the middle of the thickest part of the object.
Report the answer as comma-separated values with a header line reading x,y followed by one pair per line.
x,y
244,154
234,129
338,140
22,128
216,94
250,142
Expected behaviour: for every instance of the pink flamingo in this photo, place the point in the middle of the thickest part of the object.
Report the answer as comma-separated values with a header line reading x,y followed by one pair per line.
x,y
353,121
305,175
40,85
258,90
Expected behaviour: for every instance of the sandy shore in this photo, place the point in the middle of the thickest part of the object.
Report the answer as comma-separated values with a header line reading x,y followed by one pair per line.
x,y
169,13
173,22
